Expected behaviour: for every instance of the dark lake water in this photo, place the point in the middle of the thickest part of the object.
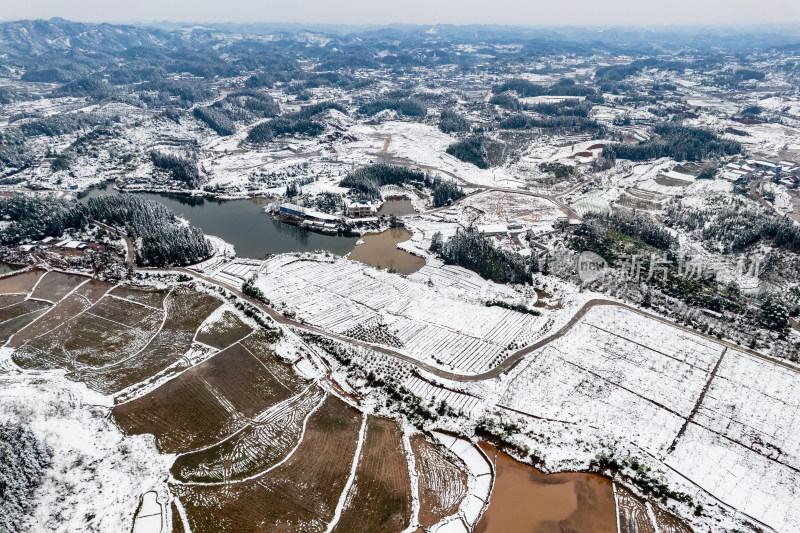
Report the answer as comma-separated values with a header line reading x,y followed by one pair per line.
x,y
243,223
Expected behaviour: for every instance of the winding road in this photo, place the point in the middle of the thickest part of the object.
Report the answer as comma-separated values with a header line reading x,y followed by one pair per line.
x,y
508,363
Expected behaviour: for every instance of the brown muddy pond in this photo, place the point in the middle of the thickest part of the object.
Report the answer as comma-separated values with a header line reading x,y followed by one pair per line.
x,y
397,207
380,251
23,282
525,500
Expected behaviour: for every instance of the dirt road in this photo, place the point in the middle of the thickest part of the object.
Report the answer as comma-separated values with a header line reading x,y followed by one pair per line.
x,y
511,360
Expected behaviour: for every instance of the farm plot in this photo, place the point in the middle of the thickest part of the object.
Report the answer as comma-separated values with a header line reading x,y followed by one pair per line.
x,y
634,378
94,290
205,404
111,330
186,311
591,202
7,300
18,309
55,285
742,444
259,344
442,484
58,315
299,495
22,314
632,513
380,497
142,295
17,283
344,295
260,445
508,208
225,330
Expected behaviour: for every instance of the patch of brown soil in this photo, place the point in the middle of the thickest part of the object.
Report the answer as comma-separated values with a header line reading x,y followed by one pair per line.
x,y
299,495
442,484
380,498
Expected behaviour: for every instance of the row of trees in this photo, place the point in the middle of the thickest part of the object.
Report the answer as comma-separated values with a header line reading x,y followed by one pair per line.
x,y
472,250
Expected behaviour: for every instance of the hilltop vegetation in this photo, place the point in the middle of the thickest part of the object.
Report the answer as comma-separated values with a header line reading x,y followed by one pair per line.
x,y
367,181
162,240
682,143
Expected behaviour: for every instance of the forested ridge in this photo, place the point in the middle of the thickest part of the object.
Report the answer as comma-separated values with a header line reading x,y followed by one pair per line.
x,y
682,143
161,238
472,250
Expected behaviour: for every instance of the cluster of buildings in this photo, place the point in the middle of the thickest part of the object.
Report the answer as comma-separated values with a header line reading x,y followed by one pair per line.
x,y
788,170
317,220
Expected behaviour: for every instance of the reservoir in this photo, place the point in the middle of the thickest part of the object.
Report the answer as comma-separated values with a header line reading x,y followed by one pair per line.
x,y
243,224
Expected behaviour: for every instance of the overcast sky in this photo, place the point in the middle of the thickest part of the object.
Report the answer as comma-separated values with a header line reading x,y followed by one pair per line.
x,y
516,12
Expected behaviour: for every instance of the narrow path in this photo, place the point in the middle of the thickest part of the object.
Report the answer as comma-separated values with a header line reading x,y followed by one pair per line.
x,y
697,404
130,257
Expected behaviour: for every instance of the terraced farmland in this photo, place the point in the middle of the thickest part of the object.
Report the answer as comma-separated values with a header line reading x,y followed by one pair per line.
x,y
299,495
224,331
265,441
205,404
186,310
442,483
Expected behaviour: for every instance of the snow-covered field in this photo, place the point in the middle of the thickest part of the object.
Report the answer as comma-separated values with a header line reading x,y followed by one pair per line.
x,y
432,325
625,378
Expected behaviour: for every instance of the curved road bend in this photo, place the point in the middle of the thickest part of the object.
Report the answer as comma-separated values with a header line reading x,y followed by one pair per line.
x,y
497,371
507,363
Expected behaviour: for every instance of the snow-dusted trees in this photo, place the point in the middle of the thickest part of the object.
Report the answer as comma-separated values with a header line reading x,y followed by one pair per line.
x,y
36,217
165,241
636,226
734,228
682,143
773,314
411,107
367,181
506,101
298,123
445,192
182,168
478,150
23,459
244,106
452,121
474,251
